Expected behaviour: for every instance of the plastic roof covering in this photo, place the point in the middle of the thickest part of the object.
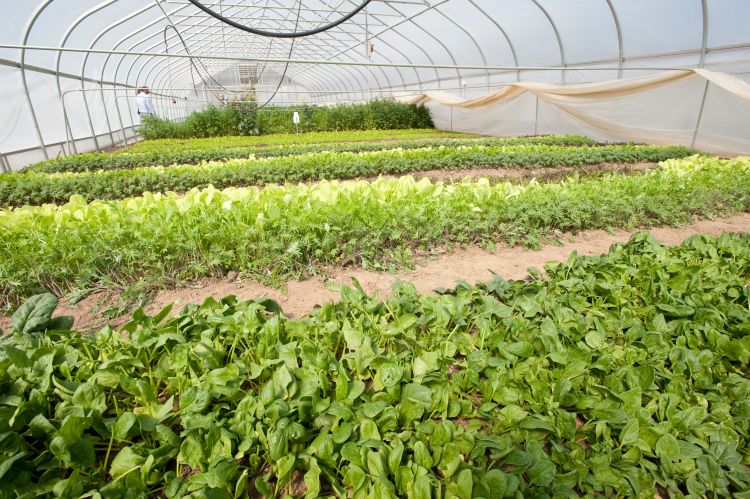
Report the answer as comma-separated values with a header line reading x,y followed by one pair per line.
x,y
593,39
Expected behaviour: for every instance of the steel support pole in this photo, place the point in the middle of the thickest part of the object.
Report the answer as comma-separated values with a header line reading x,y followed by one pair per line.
x,y
620,48
344,63
557,35
704,39
700,114
4,163
26,32
503,32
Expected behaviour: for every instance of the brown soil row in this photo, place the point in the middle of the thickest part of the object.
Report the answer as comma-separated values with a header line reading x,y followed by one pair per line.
x,y
527,173
471,264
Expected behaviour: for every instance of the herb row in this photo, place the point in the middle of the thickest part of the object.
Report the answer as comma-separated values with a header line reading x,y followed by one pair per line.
x,y
39,188
279,232
123,160
623,375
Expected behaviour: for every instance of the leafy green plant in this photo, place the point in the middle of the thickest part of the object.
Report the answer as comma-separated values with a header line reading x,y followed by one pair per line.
x,y
244,119
129,158
620,376
374,115
35,315
279,232
36,188
286,139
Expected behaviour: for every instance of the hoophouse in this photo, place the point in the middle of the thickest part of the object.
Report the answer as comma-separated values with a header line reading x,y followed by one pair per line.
x,y
300,249
651,71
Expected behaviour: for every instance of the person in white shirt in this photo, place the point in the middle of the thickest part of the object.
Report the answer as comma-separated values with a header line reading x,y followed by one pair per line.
x,y
143,102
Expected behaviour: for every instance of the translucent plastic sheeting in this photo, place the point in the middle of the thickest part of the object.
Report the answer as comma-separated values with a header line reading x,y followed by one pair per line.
x,y
480,45
707,110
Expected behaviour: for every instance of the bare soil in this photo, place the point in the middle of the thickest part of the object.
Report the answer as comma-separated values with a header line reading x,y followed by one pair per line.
x,y
376,141
527,173
471,264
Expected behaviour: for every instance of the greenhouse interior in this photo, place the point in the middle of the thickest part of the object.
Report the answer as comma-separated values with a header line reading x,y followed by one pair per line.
x,y
375,248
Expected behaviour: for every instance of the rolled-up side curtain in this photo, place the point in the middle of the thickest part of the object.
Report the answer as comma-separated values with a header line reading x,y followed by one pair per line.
x,y
703,109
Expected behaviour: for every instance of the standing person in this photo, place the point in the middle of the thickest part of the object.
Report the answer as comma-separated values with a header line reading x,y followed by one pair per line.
x,y
143,102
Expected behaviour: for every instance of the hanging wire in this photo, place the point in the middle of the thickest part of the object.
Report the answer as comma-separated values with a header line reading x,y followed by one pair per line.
x,y
192,62
268,53
286,65
280,34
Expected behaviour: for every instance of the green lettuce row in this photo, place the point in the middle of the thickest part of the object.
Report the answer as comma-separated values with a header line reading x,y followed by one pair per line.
x,y
243,118
167,145
120,161
39,188
279,232
623,375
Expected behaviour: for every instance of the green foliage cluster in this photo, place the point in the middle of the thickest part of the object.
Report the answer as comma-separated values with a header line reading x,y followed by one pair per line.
x,y
245,119
375,115
293,230
237,118
623,375
121,161
287,139
37,188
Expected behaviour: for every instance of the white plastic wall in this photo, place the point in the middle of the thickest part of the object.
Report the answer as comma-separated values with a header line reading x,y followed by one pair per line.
x,y
559,42
702,109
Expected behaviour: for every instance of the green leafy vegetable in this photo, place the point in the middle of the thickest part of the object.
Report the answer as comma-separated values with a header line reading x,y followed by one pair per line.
x,y
601,391
156,239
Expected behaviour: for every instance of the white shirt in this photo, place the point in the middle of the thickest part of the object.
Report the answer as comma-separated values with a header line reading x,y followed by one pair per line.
x,y
144,105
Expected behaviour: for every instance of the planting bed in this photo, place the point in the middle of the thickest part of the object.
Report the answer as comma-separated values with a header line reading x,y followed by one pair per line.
x,y
435,268
620,375
197,154
38,188
284,231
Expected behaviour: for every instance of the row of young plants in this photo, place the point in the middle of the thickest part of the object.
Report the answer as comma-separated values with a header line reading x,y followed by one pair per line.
x,y
280,232
120,161
377,114
38,188
623,375
284,139
243,118
239,118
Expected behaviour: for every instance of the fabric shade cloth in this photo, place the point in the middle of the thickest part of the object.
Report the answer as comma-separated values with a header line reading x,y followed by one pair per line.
x,y
703,109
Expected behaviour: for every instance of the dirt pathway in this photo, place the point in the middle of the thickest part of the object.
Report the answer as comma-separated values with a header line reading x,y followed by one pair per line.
x,y
471,265
499,174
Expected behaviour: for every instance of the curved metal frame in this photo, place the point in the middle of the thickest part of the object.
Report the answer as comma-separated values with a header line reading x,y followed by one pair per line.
x,y
409,19
557,35
101,34
63,41
504,33
471,37
276,1
213,25
704,41
319,82
618,28
26,32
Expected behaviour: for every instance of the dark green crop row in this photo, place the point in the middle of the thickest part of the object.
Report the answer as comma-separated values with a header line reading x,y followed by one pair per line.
x,y
290,139
39,188
121,161
294,230
243,118
623,375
